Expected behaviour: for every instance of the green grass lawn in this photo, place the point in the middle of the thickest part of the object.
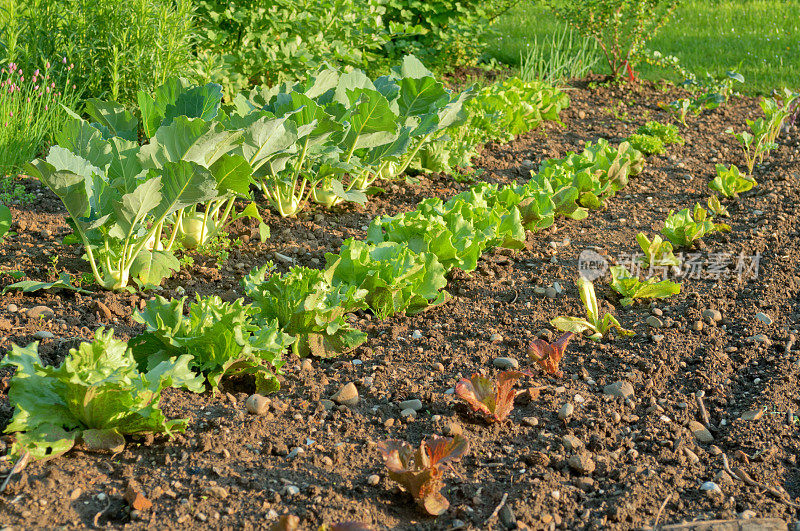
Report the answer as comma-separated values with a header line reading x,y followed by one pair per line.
x,y
761,36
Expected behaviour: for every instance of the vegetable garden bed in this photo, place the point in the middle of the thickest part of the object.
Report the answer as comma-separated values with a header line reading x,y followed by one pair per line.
x,y
603,462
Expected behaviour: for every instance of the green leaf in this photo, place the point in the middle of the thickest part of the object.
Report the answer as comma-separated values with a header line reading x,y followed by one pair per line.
x,y
5,221
188,139
151,267
198,102
183,184
83,140
30,286
117,120
232,173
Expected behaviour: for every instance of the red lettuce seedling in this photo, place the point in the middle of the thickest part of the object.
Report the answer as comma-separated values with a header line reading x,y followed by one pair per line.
x,y
549,355
493,398
419,470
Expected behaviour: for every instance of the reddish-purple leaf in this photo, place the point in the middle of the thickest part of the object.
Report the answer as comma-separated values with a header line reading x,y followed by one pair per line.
x,y
549,355
494,398
418,470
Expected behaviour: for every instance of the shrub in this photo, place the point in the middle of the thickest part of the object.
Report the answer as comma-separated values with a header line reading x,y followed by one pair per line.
x,y
620,27
251,42
121,46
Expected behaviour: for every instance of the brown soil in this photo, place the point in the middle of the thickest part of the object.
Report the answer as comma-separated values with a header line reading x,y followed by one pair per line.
x,y
643,453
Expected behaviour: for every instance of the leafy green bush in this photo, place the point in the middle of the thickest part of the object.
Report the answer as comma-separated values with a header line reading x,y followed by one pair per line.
x,y
667,133
96,395
220,338
687,226
446,33
631,288
620,27
118,47
242,43
730,182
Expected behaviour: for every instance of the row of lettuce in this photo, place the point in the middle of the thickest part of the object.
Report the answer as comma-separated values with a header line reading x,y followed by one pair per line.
x,y
139,184
110,388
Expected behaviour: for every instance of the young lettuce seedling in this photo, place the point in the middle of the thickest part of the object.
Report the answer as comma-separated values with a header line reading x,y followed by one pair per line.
x,y
492,397
647,144
657,253
667,133
730,182
632,288
420,470
96,395
687,226
549,355
716,208
600,326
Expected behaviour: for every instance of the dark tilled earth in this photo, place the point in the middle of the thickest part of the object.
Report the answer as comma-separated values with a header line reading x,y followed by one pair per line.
x,y
635,461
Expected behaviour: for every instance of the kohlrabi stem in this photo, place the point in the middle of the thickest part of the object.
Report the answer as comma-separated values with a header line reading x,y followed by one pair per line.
x,y
413,153
175,229
97,276
227,212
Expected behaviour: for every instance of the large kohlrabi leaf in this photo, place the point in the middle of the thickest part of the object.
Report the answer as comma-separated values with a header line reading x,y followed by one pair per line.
x,y
188,139
113,118
84,141
183,184
197,102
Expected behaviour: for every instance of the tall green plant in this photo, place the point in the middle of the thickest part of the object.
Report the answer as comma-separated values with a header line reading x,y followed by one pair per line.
x,y
620,27
117,47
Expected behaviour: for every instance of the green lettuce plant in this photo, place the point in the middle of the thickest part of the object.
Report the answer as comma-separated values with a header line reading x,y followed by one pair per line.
x,y
220,338
687,226
307,306
730,182
594,323
631,288
667,133
395,278
647,144
716,208
96,396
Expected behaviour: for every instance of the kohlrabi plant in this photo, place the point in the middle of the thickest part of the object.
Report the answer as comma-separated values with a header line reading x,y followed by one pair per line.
x,y
97,395
730,182
594,325
679,109
220,338
631,288
657,253
308,307
687,226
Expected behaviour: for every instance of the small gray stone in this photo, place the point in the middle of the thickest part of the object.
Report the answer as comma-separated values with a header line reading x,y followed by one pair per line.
x,y
217,492
373,479
43,334
505,363
327,404
697,326
582,464
495,338
416,334
12,308
530,421
507,518
257,404
566,411
764,318
691,456
622,389
415,404
753,414
654,322
657,312
408,414
700,432
307,366
290,490
711,488
712,316
571,443
550,293
347,395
